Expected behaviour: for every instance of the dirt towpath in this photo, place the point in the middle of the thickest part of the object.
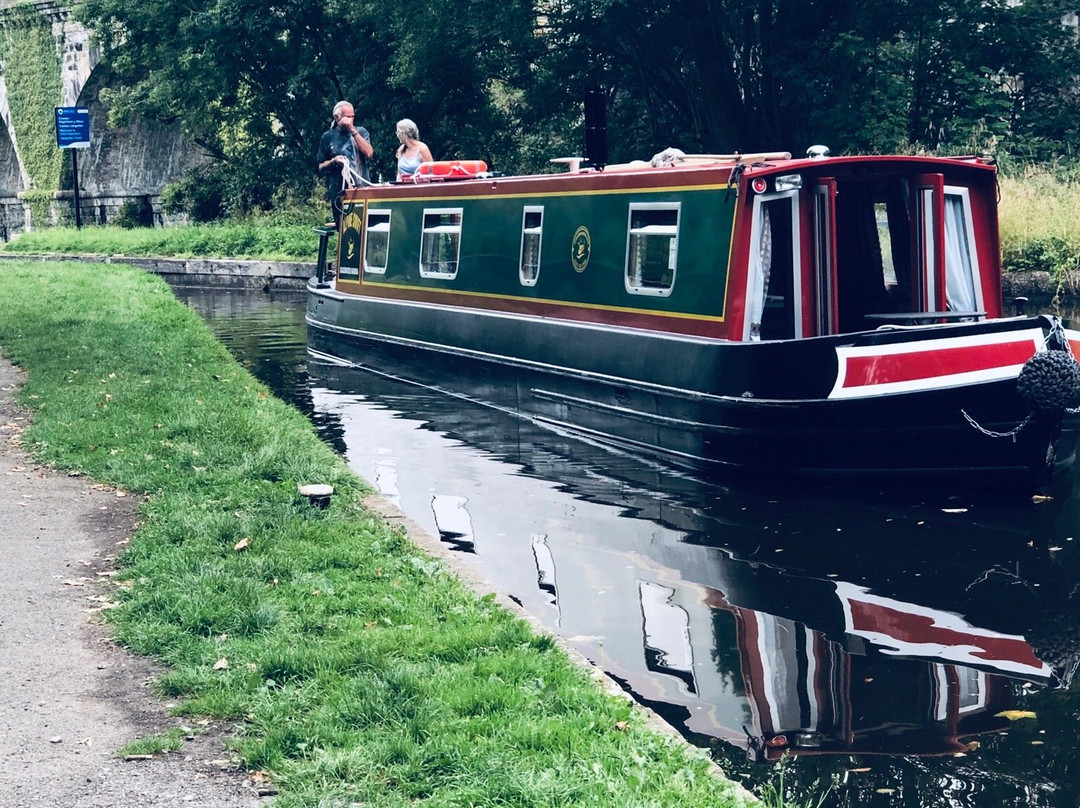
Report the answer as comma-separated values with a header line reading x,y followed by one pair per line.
x,y
69,697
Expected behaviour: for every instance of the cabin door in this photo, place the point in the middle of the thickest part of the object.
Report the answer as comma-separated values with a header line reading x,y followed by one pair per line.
x,y
823,251
774,290
929,242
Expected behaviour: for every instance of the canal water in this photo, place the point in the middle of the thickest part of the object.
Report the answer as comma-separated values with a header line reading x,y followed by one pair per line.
x,y
906,651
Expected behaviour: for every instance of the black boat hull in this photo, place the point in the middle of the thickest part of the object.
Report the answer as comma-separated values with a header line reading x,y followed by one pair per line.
x,y
760,408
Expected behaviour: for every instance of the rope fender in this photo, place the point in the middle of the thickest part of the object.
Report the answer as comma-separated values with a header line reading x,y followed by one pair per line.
x,y
1049,382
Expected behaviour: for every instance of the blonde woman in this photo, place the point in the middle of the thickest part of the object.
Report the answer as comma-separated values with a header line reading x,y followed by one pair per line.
x,y
412,151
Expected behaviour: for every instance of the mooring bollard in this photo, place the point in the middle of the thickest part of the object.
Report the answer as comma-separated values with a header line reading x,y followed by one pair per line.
x,y
318,494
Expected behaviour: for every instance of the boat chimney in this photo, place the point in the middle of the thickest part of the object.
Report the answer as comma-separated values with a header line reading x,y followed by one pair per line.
x,y
595,128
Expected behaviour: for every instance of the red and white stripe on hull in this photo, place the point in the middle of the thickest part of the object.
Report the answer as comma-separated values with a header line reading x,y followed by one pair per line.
x,y
909,630
907,367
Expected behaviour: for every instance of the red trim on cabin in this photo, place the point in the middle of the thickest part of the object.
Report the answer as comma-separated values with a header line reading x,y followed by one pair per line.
x,y
738,268
862,371
653,321
540,184
984,221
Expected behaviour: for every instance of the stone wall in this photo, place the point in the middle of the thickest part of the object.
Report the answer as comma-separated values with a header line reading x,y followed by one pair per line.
x,y
130,164
13,216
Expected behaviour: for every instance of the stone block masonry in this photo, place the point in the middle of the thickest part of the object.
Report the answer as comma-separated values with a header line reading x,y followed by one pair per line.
x,y
131,164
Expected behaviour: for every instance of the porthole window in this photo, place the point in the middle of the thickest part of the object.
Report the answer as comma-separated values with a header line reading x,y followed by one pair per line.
x,y
652,248
377,246
440,246
532,226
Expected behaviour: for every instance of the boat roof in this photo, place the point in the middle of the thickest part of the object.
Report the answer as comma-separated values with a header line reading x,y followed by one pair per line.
x,y
679,170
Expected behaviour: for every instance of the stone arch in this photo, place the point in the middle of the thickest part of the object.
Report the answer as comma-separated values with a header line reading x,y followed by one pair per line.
x,y
11,180
138,159
132,163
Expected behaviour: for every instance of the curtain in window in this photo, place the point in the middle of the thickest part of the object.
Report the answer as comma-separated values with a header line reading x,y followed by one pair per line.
x,y
959,274
760,267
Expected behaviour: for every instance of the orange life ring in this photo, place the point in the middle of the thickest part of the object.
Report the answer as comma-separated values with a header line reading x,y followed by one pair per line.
x,y
452,168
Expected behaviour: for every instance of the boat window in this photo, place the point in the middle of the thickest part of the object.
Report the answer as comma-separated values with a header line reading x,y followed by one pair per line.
x,y
885,242
532,225
652,248
963,292
377,244
825,255
873,251
440,245
926,241
773,296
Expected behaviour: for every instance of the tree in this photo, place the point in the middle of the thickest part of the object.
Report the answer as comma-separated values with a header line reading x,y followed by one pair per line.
x,y
253,82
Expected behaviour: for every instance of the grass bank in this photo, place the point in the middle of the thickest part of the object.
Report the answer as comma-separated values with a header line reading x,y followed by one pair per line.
x,y
356,669
1039,214
252,239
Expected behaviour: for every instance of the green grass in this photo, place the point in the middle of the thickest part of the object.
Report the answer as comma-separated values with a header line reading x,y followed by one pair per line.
x,y
355,668
170,741
243,240
1040,222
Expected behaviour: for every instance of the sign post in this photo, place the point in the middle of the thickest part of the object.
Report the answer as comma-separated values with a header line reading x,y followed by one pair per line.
x,y
73,132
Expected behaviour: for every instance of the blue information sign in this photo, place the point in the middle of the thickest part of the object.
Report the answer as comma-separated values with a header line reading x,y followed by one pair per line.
x,y
73,127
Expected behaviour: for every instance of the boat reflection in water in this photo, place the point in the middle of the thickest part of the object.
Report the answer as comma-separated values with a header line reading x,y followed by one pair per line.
x,y
770,621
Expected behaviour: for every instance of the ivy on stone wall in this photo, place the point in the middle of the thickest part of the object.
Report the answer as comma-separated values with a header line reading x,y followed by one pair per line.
x,y
30,65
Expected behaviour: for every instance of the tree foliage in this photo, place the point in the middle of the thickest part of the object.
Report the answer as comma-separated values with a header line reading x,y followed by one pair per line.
x,y
253,82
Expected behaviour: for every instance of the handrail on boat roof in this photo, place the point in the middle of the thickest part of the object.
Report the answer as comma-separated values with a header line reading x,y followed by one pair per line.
x,y
676,157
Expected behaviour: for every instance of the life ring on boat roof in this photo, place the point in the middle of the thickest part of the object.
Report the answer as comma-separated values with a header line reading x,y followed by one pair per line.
x,y
450,169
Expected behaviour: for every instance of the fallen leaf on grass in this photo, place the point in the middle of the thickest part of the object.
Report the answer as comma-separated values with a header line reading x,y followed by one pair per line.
x,y
221,664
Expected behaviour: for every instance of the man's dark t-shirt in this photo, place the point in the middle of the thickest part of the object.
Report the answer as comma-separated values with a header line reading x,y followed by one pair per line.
x,y
335,142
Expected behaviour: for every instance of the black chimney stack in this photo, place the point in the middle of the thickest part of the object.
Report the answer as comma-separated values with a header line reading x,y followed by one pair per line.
x,y
595,128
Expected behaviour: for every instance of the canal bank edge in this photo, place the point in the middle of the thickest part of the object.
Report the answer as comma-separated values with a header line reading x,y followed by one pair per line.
x,y
421,538
231,788
224,273
221,273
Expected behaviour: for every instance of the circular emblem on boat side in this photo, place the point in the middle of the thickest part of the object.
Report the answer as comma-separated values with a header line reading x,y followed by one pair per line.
x,y
580,249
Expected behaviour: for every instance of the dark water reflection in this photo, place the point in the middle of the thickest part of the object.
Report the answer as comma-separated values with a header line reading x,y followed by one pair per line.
x,y
921,652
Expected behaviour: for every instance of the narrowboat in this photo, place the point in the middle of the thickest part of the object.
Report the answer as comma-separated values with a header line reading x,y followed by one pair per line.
x,y
824,316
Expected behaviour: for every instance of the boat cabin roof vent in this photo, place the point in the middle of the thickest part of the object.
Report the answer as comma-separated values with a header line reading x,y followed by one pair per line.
x,y
817,152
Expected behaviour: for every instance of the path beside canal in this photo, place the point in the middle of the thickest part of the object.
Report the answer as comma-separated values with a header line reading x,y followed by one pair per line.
x,y
69,697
